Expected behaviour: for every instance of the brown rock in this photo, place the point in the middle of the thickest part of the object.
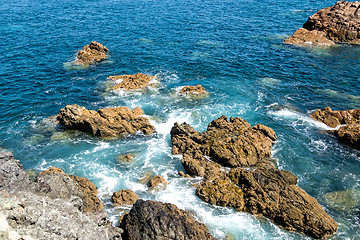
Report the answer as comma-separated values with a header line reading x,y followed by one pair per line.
x,y
91,202
91,53
193,90
131,82
124,197
157,182
349,134
145,178
156,220
338,23
125,158
106,123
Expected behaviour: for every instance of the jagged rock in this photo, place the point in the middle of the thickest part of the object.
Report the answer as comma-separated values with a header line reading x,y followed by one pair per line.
x,y
157,182
348,134
124,197
91,53
231,143
252,184
335,24
156,220
105,123
49,209
193,90
131,82
60,184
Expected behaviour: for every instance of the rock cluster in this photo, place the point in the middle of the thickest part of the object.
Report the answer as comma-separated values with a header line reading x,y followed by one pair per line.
x,y
105,123
91,53
52,207
193,90
155,220
124,197
335,24
348,134
252,184
131,82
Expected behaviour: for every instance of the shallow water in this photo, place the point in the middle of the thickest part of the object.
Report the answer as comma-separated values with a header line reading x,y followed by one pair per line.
x,y
233,48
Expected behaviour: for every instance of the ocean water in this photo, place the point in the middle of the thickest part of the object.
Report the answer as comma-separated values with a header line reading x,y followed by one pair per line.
x,y
233,48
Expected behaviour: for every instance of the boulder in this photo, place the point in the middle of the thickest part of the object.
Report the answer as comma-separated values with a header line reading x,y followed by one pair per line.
x,y
252,183
193,90
157,182
335,24
124,197
131,82
50,208
156,220
348,134
61,185
125,158
107,123
91,53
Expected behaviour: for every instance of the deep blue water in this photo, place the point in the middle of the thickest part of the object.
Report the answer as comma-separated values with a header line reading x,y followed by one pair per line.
x,y
233,48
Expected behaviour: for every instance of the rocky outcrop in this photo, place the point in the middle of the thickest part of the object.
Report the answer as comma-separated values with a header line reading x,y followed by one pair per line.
x,y
348,134
157,182
131,82
107,123
50,208
125,158
124,197
156,220
193,90
335,24
91,53
252,184
58,184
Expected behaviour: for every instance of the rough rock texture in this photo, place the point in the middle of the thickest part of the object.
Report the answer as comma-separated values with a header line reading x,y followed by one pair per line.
x,y
193,90
156,220
105,123
131,82
47,209
91,53
252,183
232,143
125,158
157,182
348,134
338,23
124,197
59,185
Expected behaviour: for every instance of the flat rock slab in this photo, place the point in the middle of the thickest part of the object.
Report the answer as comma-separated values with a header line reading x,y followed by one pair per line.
x,y
107,123
131,82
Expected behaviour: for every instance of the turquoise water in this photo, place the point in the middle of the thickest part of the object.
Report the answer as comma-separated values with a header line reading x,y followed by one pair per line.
x,y
233,48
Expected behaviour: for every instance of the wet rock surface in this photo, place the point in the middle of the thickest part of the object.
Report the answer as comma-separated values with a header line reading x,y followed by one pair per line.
x,y
91,53
131,82
157,182
48,208
107,123
156,220
124,197
252,183
348,134
193,90
335,24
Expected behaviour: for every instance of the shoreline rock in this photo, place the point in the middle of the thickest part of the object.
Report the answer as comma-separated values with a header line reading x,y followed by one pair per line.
x,y
131,82
124,197
156,220
91,53
107,123
231,156
193,91
349,133
330,25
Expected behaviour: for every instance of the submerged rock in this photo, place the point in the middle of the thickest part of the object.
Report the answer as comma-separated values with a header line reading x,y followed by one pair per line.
x,y
105,123
126,158
197,90
252,183
91,53
131,82
346,200
50,208
156,220
124,197
335,24
348,134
